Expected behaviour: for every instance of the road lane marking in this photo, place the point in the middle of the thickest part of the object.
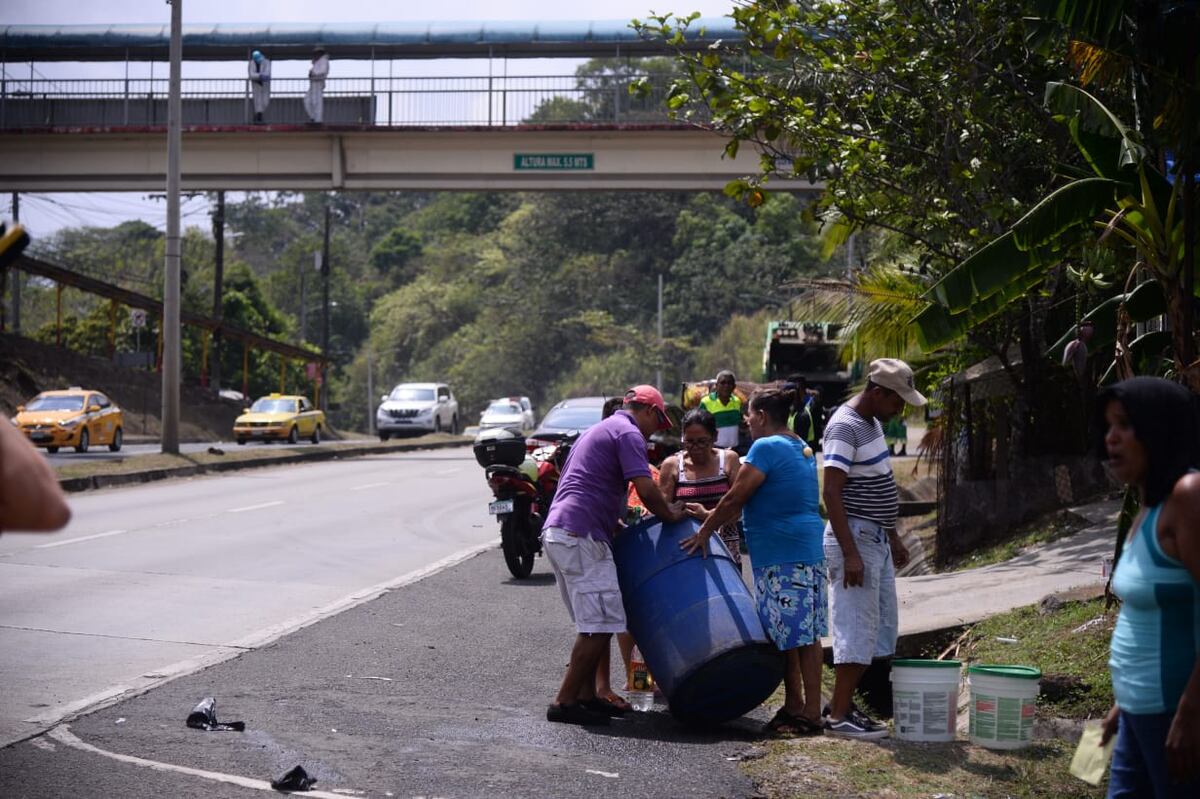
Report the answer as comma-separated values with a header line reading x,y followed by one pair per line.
x,y
92,537
368,485
64,736
256,507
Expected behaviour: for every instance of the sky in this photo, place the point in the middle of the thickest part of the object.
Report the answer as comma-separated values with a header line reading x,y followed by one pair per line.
x,y
43,214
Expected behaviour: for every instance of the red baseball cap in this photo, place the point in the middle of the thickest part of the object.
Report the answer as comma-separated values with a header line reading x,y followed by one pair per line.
x,y
649,395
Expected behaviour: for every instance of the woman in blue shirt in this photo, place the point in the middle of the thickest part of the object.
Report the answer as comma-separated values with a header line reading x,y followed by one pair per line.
x,y
1152,440
776,491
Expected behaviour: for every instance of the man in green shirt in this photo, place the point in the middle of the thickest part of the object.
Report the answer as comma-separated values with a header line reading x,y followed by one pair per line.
x,y
726,408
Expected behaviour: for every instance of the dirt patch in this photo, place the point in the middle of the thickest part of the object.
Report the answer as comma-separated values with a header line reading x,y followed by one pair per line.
x,y
28,367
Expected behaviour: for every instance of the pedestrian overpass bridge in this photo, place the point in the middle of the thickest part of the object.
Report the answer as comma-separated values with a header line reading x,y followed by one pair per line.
x,y
492,131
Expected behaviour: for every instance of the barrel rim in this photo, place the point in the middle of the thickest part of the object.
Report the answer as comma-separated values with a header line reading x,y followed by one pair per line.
x,y
1003,670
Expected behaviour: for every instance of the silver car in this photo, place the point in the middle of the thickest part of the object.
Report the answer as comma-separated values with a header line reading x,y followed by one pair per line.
x,y
417,407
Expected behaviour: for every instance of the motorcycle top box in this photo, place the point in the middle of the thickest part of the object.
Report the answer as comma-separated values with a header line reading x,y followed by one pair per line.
x,y
499,446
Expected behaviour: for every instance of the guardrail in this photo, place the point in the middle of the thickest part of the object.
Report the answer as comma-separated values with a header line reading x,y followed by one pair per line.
x,y
375,101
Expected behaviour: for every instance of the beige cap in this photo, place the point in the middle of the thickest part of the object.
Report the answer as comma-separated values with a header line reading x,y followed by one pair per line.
x,y
898,376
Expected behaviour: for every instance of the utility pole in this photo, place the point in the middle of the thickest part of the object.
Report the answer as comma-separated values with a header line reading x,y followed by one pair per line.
x,y
325,312
658,372
370,393
16,273
218,223
171,333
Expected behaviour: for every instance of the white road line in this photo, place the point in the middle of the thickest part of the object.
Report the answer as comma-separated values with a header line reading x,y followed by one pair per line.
x,y
256,507
53,544
64,736
368,485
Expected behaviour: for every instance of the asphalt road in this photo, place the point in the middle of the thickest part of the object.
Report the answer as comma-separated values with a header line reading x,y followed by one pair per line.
x,y
436,689
156,580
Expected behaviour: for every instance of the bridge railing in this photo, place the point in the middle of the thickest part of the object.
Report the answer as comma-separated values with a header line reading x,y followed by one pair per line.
x,y
373,101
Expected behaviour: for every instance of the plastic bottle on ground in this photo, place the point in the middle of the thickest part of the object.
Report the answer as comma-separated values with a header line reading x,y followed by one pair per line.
x,y
641,683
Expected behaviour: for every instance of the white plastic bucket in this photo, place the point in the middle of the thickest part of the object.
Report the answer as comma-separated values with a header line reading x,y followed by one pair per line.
x,y
1002,705
925,699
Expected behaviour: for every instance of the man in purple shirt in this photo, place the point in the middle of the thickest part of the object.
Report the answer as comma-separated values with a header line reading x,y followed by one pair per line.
x,y
577,539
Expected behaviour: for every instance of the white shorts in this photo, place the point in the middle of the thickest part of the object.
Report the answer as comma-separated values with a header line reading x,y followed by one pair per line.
x,y
587,577
864,619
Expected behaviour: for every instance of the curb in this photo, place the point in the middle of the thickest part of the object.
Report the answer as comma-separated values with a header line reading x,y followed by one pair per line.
x,y
92,482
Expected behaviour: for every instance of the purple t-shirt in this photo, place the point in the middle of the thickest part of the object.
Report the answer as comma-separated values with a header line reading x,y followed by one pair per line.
x,y
595,481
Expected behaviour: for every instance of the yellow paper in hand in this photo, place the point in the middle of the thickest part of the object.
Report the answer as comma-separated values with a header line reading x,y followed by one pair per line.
x,y
1091,759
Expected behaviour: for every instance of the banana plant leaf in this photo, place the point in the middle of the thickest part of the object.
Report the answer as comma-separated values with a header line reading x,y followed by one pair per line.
x,y
1096,20
1031,244
1107,144
1143,303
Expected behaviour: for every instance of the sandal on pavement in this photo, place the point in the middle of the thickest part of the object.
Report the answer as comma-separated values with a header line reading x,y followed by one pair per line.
x,y
785,723
604,706
618,700
575,714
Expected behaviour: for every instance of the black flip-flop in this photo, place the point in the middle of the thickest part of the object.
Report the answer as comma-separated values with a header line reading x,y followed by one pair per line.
x,y
599,705
785,723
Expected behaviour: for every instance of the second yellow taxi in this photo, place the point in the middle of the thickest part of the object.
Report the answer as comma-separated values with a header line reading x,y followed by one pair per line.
x,y
279,417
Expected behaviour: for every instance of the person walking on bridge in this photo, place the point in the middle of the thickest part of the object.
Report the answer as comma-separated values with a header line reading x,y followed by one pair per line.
x,y
862,548
314,101
260,83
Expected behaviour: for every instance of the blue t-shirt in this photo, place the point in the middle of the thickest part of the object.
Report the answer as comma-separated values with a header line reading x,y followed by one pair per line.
x,y
782,520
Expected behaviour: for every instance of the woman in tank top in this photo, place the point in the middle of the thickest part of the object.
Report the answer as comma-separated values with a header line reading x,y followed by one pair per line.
x,y
700,474
1152,442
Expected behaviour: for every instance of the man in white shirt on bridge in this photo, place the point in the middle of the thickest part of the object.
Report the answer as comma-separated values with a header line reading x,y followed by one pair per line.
x,y
314,101
260,83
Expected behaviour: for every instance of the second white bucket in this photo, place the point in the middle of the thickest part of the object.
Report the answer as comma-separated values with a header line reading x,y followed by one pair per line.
x,y
1002,705
925,699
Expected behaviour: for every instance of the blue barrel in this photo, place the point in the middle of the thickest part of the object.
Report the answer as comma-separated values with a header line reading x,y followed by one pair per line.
x,y
695,622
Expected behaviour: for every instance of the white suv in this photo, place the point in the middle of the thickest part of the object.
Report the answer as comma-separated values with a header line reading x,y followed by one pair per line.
x,y
421,407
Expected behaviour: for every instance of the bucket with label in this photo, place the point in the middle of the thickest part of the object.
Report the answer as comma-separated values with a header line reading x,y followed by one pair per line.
x,y
1002,705
925,699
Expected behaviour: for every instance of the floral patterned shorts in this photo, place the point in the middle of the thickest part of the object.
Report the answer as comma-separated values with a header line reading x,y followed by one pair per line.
x,y
792,603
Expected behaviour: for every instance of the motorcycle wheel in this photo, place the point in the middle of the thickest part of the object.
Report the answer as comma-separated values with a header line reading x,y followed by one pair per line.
x,y
519,562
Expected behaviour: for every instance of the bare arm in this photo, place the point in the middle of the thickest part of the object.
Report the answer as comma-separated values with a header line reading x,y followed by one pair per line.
x,y
652,498
1181,523
668,478
835,481
30,498
748,481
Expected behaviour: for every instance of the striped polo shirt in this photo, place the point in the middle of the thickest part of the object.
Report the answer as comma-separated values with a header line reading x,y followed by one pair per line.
x,y
857,447
728,416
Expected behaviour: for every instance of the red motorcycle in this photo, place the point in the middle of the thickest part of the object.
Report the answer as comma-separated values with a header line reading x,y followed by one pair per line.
x,y
523,483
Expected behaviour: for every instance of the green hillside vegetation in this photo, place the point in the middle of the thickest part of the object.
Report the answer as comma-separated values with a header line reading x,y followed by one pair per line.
x,y
547,295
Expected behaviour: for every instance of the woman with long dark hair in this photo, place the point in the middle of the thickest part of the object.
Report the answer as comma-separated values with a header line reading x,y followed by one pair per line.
x,y
1152,443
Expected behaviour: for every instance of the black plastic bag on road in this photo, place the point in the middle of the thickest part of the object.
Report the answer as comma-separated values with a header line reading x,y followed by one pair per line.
x,y
204,717
295,780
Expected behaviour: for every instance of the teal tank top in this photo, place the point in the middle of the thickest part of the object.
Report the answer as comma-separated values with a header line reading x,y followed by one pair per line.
x,y
1157,638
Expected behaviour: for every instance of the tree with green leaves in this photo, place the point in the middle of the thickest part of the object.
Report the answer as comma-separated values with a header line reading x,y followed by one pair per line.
x,y
1137,194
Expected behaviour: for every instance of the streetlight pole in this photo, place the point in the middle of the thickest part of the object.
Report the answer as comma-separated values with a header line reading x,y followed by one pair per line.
x,y
16,274
658,372
171,317
325,314
214,371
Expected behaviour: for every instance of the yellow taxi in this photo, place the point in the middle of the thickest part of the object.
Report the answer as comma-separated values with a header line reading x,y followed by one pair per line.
x,y
283,417
73,417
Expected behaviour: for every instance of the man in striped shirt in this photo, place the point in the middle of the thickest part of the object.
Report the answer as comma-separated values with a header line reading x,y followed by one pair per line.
x,y
862,549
